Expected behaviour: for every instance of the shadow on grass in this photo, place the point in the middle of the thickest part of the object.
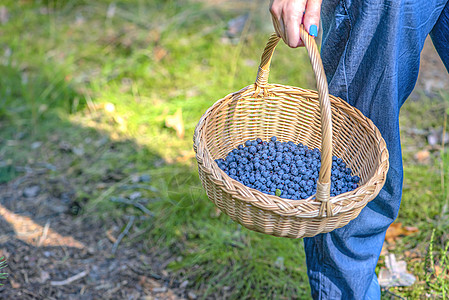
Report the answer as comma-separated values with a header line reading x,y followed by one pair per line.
x,y
71,183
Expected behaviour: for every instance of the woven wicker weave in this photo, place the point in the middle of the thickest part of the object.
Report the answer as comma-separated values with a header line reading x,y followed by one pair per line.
x,y
262,110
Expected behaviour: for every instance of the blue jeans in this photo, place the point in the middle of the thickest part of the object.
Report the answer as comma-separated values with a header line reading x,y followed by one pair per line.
x,y
371,51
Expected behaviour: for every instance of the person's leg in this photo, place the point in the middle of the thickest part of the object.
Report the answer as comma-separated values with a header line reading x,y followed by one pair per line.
x,y
373,292
440,36
370,51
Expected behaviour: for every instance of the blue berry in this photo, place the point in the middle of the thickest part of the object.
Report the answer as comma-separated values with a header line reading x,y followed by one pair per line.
x,y
293,169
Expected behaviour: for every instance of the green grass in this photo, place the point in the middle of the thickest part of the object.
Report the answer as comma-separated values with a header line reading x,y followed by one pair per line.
x,y
425,203
62,62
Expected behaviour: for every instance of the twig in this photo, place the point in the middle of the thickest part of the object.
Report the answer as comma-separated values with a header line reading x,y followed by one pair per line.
x,y
107,193
70,279
122,235
30,293
90,103
134,203
44,234
145,272
114,290
393,294
138,186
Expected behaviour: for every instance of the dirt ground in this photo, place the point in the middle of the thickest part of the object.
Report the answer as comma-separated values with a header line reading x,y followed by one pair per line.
x,y
53,254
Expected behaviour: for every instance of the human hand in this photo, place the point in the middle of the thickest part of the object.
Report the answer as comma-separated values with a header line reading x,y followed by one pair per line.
x,y
288,15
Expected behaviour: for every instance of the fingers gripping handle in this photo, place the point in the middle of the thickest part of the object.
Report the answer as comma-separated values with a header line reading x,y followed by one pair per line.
x,y
323,184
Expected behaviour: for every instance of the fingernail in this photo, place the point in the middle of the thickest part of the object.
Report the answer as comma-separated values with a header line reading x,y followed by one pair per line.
x,y
313,30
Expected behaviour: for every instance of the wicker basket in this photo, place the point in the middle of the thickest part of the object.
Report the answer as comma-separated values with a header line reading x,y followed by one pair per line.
x,y
262,110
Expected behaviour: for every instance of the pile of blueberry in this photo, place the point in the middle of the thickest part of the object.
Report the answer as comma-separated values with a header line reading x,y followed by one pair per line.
x,y
284,169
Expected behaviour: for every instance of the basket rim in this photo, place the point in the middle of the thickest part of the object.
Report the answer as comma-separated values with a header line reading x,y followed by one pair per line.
x,y
288,207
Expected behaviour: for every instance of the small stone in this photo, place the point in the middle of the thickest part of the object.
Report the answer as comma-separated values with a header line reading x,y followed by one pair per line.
x,y
50,166
280,263
64,146
31,191
58,208
191,295
159,289
184,284
44,276
145,178
79,151
135,178
101,142
135,195
36,145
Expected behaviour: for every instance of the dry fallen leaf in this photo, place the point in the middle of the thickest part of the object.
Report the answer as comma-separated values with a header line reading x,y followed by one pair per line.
x,y
423,156
153,36
185,156
110,236
148,283
396,230
159,53
175,121
14,284
438,270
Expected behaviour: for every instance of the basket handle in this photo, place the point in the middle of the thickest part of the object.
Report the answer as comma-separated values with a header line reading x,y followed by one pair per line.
x,y
323,184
